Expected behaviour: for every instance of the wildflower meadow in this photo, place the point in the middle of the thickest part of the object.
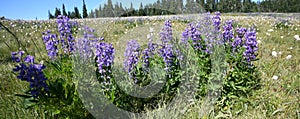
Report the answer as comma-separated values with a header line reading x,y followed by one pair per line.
x,y
208,65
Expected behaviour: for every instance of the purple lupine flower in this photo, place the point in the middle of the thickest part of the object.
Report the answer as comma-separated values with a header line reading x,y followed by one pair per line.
x,y
168,56
51,43
217,20
146,58
238,41
17,56
31,72
105,58
88,32
166,33
227,34
66,36
196,37
29,59
209,27
84,47
151,46
250,45
194,34
185,36
132,54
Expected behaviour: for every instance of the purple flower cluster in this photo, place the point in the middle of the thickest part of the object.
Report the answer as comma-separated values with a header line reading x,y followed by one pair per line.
x,y
66,38
105,58
227,34
210,28
146,57
185,36
132,55
238,41
166,50
88,33
30,72
250,45
65,31
51,43
217,20
166,34
168,56
194,34
85,46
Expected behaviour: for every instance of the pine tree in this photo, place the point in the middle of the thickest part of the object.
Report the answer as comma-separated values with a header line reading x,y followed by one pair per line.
x,y
180,6
50,15
64,10
172,6
77,14
109,10
122,10
141,10
117,10
99,12
57,12
69,14
84,10
97,15
131,7
91,14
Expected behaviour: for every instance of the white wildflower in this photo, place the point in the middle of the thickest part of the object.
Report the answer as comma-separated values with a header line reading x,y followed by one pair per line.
x,y
297,37
151,30
274,53
270,30
288,57
148,36
275,77
291,48
280,53
258,41
281,37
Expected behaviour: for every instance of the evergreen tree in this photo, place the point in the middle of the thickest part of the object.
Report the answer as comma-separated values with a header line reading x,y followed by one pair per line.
x,y
69,14
172,6
158,5
57,12
77,14
122,10
109,10
91,14
199,6
179,6
97,15
99,12
50,15
84,10
64,10
141,10
117,10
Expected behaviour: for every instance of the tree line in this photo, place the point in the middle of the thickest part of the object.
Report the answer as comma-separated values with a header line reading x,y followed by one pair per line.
x,y
166,7
70,14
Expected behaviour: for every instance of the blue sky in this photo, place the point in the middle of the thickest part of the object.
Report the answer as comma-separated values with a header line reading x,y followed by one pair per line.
x,y
32,9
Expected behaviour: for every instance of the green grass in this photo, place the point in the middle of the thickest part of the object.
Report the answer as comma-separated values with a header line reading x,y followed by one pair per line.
x,y
276,99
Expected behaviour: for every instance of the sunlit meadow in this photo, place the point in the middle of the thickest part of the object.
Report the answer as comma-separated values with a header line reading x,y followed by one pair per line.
x,y
278,61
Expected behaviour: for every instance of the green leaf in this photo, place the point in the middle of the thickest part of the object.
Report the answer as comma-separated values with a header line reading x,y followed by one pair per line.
x,y
23,95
